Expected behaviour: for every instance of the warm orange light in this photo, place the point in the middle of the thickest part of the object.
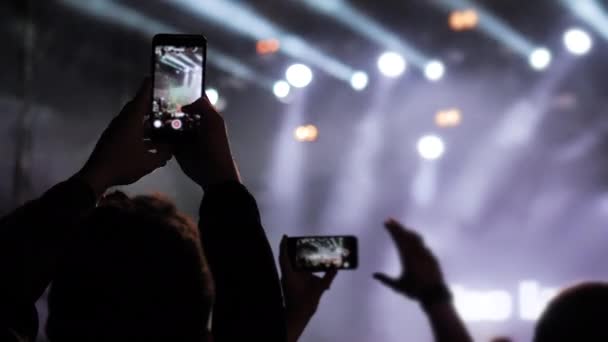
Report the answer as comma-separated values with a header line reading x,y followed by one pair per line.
x,y
267,46
463,20
308,133
448,118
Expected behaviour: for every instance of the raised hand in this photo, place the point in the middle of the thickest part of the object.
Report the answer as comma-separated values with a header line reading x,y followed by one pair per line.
x,y
205,156
121,155
421,271
303,292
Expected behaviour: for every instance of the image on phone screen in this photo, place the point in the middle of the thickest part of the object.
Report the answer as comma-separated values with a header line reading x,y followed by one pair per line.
x,y
178,81
325,253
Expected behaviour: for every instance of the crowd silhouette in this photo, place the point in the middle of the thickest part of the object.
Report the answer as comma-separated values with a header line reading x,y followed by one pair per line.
x,y
138,269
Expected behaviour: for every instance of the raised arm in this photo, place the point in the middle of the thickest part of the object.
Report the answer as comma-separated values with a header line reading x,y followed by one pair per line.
x,y
33,236
422,281
249,304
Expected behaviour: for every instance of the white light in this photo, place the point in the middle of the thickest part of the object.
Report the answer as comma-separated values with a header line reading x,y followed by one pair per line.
x,y
212,95
298,75
157,124
578,41
359,80
540,59
391,64
434,70
430,147
281,89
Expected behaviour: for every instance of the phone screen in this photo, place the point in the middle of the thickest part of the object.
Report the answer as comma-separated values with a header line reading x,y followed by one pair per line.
x,y
178,81
324,252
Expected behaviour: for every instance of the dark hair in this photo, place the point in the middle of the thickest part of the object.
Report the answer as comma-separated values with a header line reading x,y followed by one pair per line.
x,y
135,271
579,313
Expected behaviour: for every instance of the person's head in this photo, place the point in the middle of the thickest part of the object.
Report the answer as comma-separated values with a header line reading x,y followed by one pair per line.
x,y
136,271
579,313
501,339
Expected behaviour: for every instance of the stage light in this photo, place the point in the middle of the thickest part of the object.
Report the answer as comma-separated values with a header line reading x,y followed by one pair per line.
x,y
578,41
463,20
359,80
119,14
360,22
267,46
391,64
430,147
540,59
434,70
244,19
298,75
281,89
157,124
308,133
448,118
212,95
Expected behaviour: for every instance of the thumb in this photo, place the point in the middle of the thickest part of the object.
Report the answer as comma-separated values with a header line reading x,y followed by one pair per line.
x,y
387,281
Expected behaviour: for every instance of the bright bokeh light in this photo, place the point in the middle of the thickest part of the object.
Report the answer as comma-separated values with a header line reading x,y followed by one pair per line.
x,y
540,59
359,80
463,20
298,75
267,46
212,95
434,70
578,41
157,124
448,117
281,89
391,64
308,133
430,147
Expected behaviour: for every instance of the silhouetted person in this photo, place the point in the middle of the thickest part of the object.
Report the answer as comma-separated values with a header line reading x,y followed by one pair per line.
x,y
578,313
422,281
134,271
501,339
248,303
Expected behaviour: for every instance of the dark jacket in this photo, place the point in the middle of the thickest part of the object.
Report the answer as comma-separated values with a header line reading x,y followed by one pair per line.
x,y
248,305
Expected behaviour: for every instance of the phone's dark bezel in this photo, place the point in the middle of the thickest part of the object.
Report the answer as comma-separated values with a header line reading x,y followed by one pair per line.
x,y
197,40
291,251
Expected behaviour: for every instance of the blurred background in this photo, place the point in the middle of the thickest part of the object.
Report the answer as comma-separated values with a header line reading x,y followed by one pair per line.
x,y
480,123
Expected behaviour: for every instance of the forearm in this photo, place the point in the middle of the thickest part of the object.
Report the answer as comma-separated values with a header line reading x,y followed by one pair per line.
x,y
248,294
446,324
31,240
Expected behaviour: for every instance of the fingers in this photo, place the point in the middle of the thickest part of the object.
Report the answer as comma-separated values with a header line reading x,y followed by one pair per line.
x,y
201,106
284,262
328,278
387,281
143,99
401,234
157,156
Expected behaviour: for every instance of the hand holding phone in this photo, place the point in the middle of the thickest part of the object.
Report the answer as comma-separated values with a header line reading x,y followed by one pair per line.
x,y
303,292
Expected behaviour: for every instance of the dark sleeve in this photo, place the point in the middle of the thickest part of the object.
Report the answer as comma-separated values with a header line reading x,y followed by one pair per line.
x,y
31,239
249,302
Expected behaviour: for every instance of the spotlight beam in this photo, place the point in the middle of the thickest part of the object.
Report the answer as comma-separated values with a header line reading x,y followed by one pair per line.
x,y
493,26
119,14
246,21
349,16
592,12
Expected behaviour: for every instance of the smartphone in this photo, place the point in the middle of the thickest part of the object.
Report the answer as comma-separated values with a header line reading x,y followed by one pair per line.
x,y
322,253
178,71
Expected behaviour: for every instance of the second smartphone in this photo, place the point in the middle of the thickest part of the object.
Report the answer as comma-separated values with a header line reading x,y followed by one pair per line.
x,y
322,253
